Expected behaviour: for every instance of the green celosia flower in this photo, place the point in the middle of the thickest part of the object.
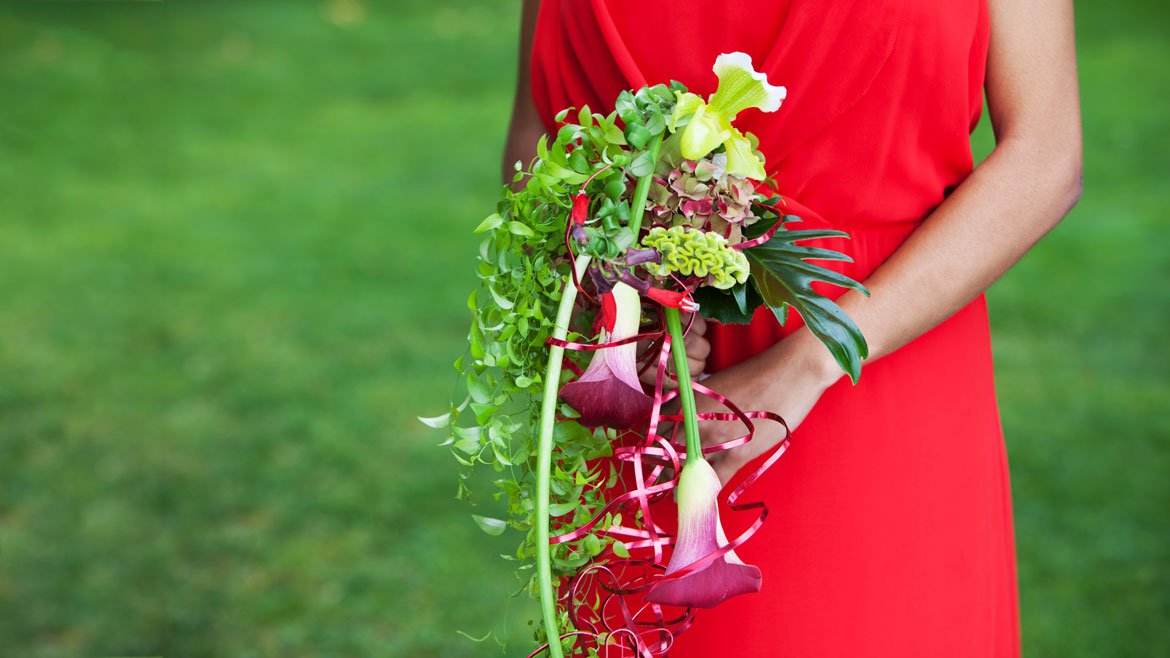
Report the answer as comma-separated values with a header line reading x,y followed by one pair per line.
x,y
691,252
708,124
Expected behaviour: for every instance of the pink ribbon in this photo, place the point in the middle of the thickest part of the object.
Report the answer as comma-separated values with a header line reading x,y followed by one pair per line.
x,y
604,599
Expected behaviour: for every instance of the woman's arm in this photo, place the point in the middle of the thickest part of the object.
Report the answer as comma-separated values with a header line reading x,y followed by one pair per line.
x,y
1027,184
525,128
1022,190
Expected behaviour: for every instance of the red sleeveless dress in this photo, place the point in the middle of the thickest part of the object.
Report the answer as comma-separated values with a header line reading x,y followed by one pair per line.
x,y
890,531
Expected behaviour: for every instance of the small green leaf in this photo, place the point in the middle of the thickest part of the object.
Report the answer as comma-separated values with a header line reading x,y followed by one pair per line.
x,y
739,292
656,124
502,302
437,422
642,165
516,228
483,411
478,390
624,238
468,445
471,433
637,135
619,549
615,187
475,342
493,527
614,135
561,509
501,456
492,221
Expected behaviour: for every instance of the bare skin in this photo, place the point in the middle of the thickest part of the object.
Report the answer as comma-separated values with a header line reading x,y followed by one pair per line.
x,y
525,127
1020,192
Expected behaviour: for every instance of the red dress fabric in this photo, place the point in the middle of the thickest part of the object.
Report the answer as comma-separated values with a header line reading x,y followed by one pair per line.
x,y
890,531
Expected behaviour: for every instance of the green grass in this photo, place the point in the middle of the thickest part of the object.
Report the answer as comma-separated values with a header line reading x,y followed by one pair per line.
x,y
234,246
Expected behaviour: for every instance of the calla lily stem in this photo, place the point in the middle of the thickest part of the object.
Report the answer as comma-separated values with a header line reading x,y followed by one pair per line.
x,y
686,394
548,415
548,407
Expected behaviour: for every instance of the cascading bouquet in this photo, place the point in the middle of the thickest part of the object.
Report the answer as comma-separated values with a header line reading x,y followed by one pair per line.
x,y
621,225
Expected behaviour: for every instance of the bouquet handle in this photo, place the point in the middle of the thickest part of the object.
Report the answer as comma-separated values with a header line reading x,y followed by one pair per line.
x,y
548,408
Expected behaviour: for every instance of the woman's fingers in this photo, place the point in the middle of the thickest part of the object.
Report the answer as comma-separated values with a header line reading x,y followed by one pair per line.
x,y
696,366
699,325
698,349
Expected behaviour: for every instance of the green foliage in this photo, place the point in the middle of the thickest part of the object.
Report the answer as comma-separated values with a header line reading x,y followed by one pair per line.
x,y
523,270
523,267
784,280
644,114
736,305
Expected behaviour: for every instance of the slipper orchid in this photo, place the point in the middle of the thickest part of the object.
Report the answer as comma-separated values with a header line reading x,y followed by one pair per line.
x,y
708,124
608,392
699,535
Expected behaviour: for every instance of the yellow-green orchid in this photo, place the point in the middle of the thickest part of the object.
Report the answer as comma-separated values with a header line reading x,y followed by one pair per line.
x,y
708,124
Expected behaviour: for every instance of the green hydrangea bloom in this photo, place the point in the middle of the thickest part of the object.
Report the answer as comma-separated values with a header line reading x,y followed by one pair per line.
x,y
692,252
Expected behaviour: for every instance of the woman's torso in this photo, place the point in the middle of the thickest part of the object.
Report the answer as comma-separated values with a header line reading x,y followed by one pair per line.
x,y
882,95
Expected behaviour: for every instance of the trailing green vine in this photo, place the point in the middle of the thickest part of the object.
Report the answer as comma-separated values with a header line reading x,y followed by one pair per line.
x,y
521,268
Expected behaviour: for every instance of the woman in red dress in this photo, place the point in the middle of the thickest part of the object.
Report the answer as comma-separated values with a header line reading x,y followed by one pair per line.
x,y
890,531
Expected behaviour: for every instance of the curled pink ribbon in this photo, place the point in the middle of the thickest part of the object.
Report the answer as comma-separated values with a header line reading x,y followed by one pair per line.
x,y
604,599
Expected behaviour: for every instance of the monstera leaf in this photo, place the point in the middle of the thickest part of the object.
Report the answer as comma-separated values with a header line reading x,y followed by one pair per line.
x,y
733,306
784,279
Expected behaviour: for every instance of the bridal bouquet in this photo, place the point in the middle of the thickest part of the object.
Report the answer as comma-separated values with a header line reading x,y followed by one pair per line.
x,y
620,230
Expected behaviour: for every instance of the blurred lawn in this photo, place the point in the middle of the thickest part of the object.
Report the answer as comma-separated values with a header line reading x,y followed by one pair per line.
x,y
234,251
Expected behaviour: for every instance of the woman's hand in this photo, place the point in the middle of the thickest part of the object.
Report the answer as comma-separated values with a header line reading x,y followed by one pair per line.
x,y
787,379
698,349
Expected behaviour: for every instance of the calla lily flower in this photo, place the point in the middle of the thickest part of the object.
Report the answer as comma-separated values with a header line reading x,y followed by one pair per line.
x,y
699,535
708,124
608,392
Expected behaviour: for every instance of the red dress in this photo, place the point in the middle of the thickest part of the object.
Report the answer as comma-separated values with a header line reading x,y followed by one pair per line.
x,y
890,531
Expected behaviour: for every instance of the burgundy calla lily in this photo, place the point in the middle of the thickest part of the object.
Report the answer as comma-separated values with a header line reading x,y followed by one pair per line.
x,y
608,392
699,535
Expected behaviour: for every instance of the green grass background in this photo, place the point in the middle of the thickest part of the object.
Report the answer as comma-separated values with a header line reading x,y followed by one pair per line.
x,y
234,251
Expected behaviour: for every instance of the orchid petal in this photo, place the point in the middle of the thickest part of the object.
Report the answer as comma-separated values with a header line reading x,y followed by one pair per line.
x,y
741,87
706,126
685,105
741,159
699,535
704,133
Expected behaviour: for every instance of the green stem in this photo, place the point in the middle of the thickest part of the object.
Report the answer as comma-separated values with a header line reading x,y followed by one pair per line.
x,y
686,394
642,189
548,408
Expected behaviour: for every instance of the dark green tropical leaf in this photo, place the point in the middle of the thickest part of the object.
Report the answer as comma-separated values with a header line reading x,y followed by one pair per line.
x,y
734,306
784,279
